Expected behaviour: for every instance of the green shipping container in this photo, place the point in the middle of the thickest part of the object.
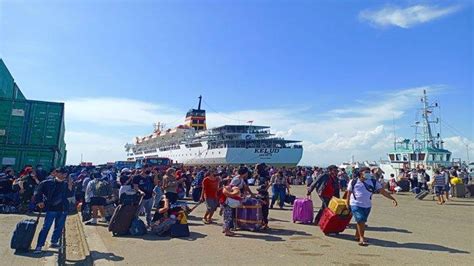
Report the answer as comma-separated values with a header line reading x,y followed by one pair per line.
x,y
6,82
18,157
32,123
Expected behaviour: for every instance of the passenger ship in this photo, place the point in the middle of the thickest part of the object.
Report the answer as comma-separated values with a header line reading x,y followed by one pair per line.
x,y
194,144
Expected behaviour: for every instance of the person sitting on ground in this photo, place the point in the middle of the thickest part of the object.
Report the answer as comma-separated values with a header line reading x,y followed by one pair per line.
x,y
97,192
359,199
162,219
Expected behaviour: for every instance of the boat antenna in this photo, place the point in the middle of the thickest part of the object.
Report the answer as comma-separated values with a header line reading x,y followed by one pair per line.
x,y
200,99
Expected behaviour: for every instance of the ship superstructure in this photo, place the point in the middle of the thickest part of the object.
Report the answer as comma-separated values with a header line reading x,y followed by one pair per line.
x,y
194,144
425,151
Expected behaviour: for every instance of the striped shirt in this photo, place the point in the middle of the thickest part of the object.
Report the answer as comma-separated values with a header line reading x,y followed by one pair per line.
x,y
439,181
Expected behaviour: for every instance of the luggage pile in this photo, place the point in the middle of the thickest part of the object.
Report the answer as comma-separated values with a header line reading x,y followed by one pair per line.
x,y
458,190
335,218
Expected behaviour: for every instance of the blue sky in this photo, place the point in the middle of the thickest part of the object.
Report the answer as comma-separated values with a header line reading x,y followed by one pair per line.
x,y
332,73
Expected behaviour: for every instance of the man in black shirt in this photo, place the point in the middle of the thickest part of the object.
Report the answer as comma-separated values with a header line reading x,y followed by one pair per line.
x,y
144,184
51,196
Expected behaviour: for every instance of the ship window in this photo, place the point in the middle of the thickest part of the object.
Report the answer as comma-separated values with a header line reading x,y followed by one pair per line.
x,y
421,156
399,157
392,157
432,157
413,156
405,157
448,157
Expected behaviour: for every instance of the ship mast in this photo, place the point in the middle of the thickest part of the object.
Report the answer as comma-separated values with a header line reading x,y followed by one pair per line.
x,y
429,140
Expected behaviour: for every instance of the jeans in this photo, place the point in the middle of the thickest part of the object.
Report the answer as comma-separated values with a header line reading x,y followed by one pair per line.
x,y
278,191
59,219
147,204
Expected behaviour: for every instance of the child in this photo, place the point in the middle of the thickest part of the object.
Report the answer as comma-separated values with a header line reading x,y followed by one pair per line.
x,y
439,183
264,197
392,183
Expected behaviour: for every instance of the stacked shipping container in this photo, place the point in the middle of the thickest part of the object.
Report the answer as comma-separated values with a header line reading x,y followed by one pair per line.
x,y
31,132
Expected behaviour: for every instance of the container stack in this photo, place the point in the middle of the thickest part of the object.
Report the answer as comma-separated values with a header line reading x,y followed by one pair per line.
x,y
31,132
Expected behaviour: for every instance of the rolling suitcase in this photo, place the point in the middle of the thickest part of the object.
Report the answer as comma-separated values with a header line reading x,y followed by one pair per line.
x,y
303,211
122,219
249,215
331,223
422,194
24,233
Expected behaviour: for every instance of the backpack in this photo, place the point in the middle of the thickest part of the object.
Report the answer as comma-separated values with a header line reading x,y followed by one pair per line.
x,y
371,189
102,188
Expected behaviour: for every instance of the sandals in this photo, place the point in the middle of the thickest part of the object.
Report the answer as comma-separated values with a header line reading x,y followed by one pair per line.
x,y
363,244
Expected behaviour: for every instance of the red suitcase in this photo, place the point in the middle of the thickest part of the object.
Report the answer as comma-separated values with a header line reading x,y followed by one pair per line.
x,y
331,223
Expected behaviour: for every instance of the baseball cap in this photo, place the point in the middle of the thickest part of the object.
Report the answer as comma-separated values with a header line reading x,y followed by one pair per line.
x,y
125,170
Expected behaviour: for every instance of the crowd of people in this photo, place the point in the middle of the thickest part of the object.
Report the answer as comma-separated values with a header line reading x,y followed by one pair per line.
x,y
220,187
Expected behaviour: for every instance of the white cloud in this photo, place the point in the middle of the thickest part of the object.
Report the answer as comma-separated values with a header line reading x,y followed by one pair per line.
x,y
119,112
364,129
459,146
94,147
406,17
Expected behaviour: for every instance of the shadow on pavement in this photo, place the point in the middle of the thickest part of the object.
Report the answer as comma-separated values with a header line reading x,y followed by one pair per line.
x,y
382,229
272,234
97,255
30,254
451,203
416,246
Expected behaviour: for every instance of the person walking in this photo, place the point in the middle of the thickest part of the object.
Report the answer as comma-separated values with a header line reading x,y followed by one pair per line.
x,y
359,199
280,186
210,185
327,186
51,195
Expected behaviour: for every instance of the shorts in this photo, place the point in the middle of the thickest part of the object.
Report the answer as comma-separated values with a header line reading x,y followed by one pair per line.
x,y
447,188
360,214
439,190
212,204
98,201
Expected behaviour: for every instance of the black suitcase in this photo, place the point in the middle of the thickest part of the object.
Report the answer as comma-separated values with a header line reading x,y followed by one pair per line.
x,y
422,194
179,230
405,185
24,234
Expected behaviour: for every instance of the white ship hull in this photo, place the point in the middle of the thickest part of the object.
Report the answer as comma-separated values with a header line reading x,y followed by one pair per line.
x,y
222,156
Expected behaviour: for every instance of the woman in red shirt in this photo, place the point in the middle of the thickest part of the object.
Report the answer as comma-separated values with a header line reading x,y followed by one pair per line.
x,y
210,186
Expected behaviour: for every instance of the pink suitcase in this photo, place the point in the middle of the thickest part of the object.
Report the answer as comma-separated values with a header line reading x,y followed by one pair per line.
x,y
303,211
